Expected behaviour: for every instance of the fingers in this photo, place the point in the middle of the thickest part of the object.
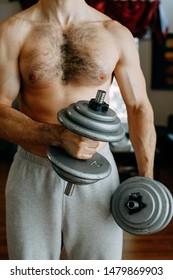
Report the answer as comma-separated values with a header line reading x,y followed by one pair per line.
x,y
86,148
78,146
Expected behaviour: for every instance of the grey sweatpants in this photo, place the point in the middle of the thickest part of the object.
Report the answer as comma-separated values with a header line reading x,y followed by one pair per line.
x,y
40,219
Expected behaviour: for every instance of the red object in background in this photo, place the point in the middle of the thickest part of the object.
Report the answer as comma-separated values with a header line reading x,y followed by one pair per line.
x,y
135,15
98,5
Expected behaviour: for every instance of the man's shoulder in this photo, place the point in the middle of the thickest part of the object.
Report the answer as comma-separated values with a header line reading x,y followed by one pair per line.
x,y
19,21
13,32
17,26
116,27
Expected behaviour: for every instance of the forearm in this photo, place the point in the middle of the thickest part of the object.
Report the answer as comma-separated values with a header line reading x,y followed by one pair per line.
x,y
143,138
18,128
22,130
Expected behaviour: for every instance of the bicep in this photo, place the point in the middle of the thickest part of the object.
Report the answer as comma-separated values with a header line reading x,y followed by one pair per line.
x,y
9,72
9,81
129,75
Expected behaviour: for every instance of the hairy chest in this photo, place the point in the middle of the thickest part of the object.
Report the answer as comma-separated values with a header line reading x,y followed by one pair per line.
x,y
80,55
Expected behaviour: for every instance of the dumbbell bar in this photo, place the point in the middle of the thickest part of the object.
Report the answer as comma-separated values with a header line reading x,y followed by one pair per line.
x,y
142,206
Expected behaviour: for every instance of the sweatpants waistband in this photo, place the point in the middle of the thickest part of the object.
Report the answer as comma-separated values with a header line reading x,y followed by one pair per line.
x,y
45,161
32,157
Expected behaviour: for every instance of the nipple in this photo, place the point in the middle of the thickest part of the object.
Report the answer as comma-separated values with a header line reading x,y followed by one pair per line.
x,y
32,77
102,76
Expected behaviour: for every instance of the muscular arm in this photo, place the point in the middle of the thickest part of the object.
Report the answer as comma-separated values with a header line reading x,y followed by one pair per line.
x,y
140,114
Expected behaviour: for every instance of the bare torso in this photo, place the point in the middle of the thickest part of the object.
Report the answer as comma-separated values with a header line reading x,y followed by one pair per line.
x,y
59,66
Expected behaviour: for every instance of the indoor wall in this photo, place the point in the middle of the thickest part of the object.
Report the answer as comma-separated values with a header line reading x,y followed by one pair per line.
x,y
162,100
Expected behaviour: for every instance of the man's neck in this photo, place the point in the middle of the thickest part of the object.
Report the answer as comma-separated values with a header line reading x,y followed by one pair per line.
x,y
64,11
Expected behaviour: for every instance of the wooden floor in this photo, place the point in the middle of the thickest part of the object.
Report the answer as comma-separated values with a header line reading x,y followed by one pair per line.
x,y
153,247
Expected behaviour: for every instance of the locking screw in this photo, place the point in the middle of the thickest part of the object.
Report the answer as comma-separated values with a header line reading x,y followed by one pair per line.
x,y
100,96
135,204
97,103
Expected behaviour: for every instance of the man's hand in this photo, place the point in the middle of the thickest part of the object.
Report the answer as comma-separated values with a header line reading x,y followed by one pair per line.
x,y
77,146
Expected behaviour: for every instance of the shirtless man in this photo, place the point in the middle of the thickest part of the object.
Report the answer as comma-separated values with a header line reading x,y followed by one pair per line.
x,y
51,55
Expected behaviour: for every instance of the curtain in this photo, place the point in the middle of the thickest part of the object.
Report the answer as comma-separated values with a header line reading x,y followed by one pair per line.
x,y
136,15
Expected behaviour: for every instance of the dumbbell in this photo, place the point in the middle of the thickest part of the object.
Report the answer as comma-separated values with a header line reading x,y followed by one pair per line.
x,y
92,119
142,206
